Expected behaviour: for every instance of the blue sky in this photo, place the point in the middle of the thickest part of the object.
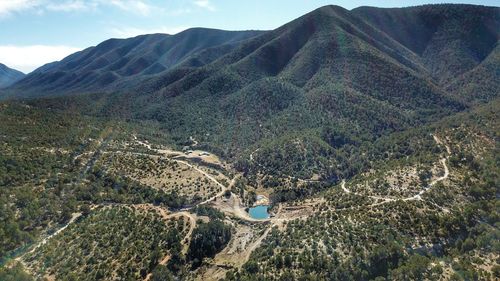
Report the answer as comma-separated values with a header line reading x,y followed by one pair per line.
x,y
35,32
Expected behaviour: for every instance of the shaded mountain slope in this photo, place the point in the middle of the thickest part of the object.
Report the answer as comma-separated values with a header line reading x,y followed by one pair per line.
x,y
128,61
482,82
450,39
9,76
327,46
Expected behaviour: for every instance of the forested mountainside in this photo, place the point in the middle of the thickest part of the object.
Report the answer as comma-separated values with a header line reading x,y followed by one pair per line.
x,y
456,43
122,63
327,73
9,76
372,134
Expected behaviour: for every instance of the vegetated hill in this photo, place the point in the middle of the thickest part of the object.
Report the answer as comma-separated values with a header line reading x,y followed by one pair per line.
x,y
326,69
127,61
480,83
450,39
311,91
9,76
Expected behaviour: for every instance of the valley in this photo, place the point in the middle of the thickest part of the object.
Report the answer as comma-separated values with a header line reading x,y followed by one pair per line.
x,y
351,199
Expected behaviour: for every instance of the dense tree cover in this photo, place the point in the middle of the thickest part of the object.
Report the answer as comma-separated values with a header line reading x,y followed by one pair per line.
x,y
207,240
337,85
210,212
42,184
162,273
36,150
97,68
114,241
343,100
423,29
15,273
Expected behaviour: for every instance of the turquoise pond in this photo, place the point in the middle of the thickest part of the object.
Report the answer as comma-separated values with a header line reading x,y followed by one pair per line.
x,y
259,212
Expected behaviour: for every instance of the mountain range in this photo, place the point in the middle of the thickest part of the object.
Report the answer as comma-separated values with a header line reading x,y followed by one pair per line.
x,y
365,73
120,63
447,45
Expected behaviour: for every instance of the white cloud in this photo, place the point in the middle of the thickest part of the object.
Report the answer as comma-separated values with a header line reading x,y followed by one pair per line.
x,y
205,4
70,6
28,58
8,7
126,32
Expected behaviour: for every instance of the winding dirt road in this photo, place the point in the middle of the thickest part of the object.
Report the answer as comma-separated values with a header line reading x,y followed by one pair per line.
x,y
418,196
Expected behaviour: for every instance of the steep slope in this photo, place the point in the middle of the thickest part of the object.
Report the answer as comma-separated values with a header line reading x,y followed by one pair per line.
x,y
450,39
127,61
481,84
9,76
311,61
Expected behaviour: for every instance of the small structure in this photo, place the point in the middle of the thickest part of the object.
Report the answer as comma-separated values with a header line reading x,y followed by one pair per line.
x,y
261,200
204,153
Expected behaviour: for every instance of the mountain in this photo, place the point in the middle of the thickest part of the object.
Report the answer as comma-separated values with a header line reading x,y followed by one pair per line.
x,y
453,41
9,76
330,80
126,62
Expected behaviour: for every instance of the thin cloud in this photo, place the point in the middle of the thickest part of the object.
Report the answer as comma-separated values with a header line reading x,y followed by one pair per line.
x,y
136,6
70,6
28,58
205,4
7,7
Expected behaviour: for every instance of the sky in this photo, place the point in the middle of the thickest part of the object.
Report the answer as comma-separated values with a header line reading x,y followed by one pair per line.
x,y
35,32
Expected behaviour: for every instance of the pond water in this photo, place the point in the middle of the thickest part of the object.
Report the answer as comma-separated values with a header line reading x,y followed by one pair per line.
x,y
259,212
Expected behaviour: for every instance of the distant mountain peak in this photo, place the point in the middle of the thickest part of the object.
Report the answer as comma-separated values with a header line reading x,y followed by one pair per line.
x,y
9,76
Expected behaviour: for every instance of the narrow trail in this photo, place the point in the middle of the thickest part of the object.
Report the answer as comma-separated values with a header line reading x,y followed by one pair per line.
x,y
342,185
46,239
95,156
258,242
223,187
208,176
240,213
90,163
186,239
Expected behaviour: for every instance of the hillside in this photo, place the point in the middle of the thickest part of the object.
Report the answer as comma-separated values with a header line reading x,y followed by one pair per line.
x,y
119,63
325,70
312,91
452,41
9,76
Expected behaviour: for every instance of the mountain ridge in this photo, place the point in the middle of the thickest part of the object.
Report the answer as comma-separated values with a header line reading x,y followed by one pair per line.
x,y
9,76
117,60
